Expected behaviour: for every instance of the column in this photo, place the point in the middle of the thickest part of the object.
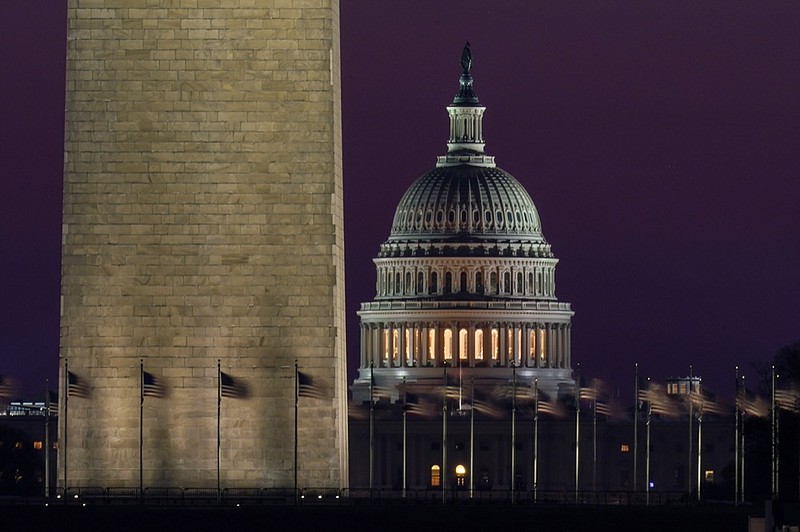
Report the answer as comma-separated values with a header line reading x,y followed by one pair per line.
x,y
503,334
487,344
568,354
363,349
379,345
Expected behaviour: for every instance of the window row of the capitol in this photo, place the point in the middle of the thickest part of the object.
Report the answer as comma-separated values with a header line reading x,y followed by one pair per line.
x,y
423,281
534,345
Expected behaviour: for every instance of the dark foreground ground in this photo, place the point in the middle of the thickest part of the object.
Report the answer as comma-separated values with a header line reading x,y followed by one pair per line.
x,y
379,518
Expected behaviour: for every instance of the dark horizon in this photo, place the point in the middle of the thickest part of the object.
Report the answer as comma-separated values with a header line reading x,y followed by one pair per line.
x,y
659,143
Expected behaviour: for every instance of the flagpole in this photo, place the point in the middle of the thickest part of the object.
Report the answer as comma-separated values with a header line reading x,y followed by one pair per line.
x,y
699,448
296,420
444,439
535,436
736,442
47,438
594,443
66,420
774,441
577,436
141,425
513,430
405,437
635,425
744,391
219,412
371,427
647,445
691,435
472,439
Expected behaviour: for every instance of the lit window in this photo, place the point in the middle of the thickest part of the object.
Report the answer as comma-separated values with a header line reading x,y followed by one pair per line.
x,y
386,344
478,344
461,473
37,445
436,476
431,343
409,359
709,475
463,344
495,344
395,342
448,344
542,339
532,344
624,448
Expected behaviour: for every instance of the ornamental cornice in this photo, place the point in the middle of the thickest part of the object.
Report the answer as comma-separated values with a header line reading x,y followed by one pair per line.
x,y
476,305
450,262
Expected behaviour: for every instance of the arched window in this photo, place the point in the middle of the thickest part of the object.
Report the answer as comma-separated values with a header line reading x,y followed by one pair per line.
x,y
478,283
431,344
463,281
397,279
506,283
448,344
409,284
520,287
434,287
386,346
436,476
395,344
448,282
420,282
478,344
532,344
530,283
493,283
407,347
542,346
463,344
461,476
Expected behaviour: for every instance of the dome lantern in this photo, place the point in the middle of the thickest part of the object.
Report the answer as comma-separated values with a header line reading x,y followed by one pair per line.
x,y
466,145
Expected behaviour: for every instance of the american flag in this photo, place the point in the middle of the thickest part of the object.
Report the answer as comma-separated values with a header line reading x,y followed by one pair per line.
x,y
7,387
77,386
52,403
152,386
751,404
306,387
232,387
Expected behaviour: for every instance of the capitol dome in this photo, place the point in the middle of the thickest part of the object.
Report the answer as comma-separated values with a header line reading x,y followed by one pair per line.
x,y
469,203
466,278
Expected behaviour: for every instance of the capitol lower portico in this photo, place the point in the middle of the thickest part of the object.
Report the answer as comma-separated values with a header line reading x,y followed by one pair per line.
x,y
466,278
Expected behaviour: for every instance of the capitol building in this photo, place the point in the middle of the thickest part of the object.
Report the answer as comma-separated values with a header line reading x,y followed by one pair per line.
x,y
466,280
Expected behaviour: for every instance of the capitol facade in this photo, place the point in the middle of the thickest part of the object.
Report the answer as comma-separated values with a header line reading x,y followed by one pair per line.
x,y
466,280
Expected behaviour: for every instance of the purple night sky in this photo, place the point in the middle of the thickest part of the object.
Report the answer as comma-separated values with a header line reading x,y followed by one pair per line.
x,y
660,142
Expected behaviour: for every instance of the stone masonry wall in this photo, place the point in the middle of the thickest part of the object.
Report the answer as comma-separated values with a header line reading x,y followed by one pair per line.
x,y
202,221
